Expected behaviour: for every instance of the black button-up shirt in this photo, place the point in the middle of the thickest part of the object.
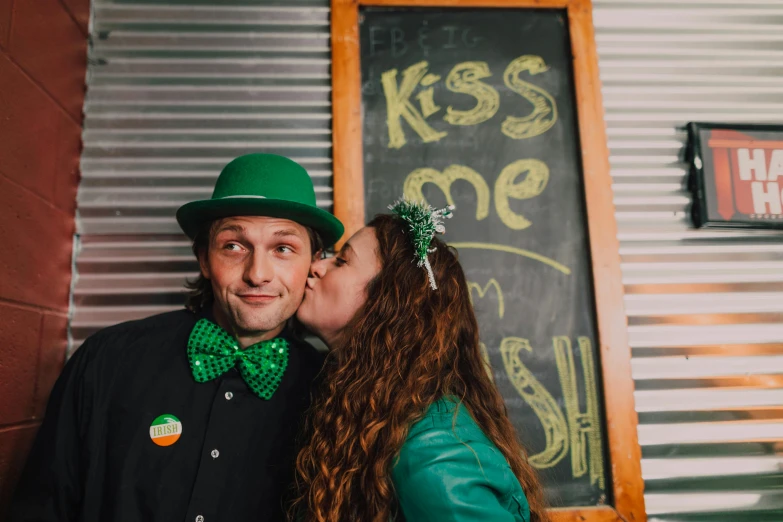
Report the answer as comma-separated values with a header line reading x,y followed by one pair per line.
x,y
94,459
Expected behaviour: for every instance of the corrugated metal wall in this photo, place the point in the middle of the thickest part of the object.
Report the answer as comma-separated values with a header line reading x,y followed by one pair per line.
x,y
178,89
705,308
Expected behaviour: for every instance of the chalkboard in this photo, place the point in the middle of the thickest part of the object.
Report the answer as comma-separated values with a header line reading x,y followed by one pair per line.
x,y
476,107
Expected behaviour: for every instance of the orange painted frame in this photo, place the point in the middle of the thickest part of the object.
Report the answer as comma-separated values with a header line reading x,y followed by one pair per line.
x,y
621,419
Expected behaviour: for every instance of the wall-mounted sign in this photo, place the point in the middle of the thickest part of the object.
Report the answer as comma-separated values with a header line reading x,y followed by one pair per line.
x,y
736,175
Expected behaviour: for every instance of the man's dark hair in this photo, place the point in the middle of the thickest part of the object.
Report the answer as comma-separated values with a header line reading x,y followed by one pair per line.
x,y
199,293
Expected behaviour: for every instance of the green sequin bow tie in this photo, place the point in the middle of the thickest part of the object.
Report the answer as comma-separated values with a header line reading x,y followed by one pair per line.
x,y
212,352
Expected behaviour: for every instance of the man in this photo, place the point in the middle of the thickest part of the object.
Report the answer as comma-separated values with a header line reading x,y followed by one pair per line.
x,y
192,415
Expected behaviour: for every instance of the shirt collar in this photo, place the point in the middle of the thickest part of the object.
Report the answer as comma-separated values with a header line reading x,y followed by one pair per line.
x,y
287,333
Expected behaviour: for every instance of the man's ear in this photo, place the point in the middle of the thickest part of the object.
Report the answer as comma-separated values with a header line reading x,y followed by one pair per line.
x,y
203,264
318,255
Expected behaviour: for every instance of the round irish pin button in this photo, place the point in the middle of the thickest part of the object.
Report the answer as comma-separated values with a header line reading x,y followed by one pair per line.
x,y
165,430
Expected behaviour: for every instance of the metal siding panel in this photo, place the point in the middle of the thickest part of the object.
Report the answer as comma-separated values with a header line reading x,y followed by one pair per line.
x,y
705,307
174,92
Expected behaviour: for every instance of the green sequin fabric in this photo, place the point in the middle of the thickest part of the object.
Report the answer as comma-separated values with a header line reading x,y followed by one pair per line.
x,y
212,352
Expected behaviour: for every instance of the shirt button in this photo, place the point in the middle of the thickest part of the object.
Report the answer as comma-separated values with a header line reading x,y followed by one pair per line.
x,y
229,396
215,453
199,519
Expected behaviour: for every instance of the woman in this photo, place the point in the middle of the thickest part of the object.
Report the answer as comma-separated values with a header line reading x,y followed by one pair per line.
x,y
408,425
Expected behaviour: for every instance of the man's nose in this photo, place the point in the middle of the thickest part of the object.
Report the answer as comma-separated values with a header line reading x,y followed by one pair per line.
x,y
259,269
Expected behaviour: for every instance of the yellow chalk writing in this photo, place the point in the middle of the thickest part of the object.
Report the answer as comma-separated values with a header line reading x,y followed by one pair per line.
x,y
427,103
544,113
399,105
466,78
483,291
512,250
416,180
506,188
540,400
584,428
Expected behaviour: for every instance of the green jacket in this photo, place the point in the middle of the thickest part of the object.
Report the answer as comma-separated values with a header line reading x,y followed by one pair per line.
x,y
449,471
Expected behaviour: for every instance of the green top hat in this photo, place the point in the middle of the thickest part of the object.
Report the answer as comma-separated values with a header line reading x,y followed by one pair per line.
x,y
262,185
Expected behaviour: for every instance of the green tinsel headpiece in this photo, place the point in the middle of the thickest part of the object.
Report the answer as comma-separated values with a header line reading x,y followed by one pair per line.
x,y
423,222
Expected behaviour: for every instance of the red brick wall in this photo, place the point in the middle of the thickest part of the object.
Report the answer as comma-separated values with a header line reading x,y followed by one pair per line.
x,y
43,45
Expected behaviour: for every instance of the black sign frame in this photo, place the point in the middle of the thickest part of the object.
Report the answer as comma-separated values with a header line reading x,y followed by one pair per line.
x,y
721,197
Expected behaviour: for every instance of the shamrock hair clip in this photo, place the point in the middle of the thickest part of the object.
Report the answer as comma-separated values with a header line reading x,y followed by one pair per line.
x,y
423,223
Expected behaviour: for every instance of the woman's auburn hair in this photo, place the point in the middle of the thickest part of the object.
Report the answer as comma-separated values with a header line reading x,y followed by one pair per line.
x,y
407,347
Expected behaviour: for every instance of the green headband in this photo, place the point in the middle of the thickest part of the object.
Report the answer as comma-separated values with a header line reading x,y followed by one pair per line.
x,y
423,222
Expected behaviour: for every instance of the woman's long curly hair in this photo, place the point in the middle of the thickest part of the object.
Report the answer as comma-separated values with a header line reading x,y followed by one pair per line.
x,y
406,348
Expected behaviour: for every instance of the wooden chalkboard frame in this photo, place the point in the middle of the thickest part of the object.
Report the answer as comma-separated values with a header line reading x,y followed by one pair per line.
x,y
621,418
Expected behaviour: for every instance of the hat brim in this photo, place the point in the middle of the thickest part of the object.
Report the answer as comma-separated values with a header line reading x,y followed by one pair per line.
x,y
192,216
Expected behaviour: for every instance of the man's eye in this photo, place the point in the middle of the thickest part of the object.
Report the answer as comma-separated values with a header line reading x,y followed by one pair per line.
x,y
233,247
285,249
